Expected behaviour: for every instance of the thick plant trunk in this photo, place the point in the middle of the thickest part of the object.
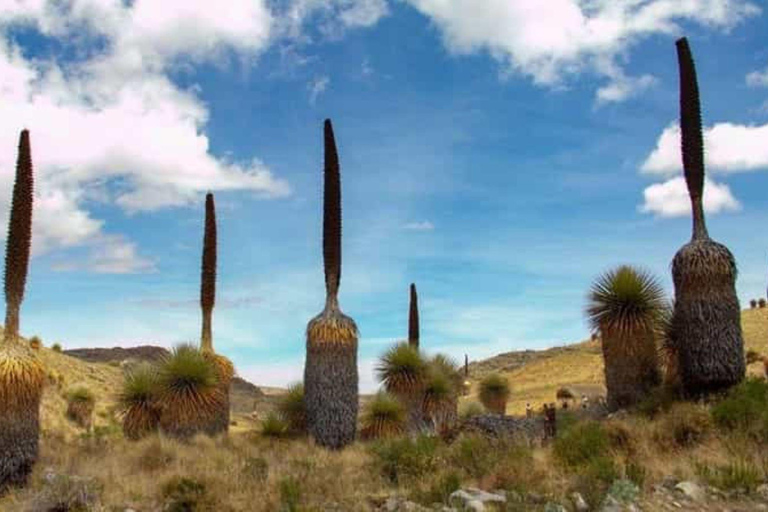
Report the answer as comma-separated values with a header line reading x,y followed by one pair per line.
x,y
11,320
631,367
206,338
19,433
331,393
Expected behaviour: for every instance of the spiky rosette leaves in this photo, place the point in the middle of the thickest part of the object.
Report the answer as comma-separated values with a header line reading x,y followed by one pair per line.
x,y
413,318
208,274
624,301
137,401
706,323
494,393
383,416
22,379
331,378
19,238
331,213
189,391
443,386
626,305
402,370
293,410
692,142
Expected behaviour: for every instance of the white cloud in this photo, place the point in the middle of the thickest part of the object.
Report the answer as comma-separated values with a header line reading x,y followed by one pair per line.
x,y
420,226
333,17
317,87
728,148
550,40
112,126
758,78
671,199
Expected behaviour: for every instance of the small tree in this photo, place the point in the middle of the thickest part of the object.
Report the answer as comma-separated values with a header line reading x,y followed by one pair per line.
x,y
494,393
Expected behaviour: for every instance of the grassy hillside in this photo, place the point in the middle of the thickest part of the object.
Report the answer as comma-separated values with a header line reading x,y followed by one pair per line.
x,y
535,376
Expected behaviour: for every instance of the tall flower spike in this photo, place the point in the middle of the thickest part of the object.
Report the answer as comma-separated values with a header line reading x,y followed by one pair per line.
x,y
208,274
331,216
413,319
692,142
19,238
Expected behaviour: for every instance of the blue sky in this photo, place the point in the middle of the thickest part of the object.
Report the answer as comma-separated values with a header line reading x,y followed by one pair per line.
x,y
498,153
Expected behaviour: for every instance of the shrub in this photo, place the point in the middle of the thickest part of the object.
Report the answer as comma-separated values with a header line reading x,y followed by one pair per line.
x,y
274,426
185,494
761,303
494,393
752,356
470,409
35,343
441,391
137,401
402,458
80,404
292,410
752,304
745,409
403,372
383,416
188,392
582,444
56,347
684,426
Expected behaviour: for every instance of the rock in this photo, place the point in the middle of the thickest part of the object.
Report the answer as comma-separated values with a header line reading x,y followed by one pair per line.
x,y
611,504
554,507
474,506
691,491
579,503
669,482
463,498
762,490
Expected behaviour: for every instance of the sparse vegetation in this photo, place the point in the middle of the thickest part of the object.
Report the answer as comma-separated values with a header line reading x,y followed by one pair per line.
x,y
274,426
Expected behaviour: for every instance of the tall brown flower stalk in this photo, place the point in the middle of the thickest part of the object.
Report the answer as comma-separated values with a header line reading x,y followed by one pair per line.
x,y
330,371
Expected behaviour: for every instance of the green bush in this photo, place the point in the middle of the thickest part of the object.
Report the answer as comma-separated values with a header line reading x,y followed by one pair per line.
x,y
56,347
582,444
274,426
470,409
403,458
745,409
292,410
